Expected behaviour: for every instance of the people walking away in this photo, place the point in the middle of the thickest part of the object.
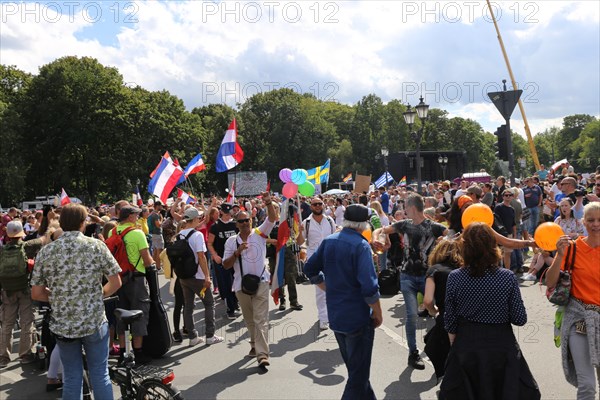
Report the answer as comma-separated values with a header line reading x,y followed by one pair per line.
x,y
444,258
67,274
343,267
482,301
419,236
246,254
198,284
580,330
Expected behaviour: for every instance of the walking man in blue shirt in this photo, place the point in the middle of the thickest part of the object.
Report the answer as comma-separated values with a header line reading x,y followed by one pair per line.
x,y
346,259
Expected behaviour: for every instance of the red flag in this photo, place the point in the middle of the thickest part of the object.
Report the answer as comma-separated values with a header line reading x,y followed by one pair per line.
x,y
231,195
268,185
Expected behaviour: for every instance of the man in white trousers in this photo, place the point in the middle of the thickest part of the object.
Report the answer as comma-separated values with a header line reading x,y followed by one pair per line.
x,y
313,230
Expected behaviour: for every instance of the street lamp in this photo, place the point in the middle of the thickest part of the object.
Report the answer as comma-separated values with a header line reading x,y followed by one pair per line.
x,y
422,110
385,152
443,163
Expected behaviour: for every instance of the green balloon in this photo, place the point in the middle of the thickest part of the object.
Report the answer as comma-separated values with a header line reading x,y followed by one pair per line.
x,y
306,189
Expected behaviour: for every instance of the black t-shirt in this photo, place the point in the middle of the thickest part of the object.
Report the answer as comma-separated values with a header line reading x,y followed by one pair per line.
x,y
506,214
222,231
419,240
439,273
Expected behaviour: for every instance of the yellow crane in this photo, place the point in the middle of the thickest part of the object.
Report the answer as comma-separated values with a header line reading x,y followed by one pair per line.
x,y
534,155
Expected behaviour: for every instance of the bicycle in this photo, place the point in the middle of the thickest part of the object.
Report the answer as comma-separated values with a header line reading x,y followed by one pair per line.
x,y
143,382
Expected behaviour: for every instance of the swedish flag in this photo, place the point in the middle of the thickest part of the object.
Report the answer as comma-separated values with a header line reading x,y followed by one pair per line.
x,y
319,175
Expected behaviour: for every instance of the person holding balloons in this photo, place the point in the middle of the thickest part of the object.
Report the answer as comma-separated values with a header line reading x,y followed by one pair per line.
x,y
580,330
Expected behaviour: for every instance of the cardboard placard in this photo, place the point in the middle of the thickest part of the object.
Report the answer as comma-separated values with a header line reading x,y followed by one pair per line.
x,y
362,183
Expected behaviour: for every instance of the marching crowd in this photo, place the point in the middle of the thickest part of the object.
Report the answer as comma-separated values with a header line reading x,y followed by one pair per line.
x,y
466,277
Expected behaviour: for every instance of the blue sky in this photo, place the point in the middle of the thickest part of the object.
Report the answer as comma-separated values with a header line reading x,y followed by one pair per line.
x,y
223,52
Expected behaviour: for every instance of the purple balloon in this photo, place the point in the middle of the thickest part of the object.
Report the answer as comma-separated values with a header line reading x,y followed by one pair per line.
x,y
285,175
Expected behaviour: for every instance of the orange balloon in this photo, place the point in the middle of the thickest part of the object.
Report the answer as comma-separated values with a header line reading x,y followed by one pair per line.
x,y
547,234
477,213
367,234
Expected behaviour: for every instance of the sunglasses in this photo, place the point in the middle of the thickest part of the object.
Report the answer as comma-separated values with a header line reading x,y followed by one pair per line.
x,y
317,204
243,220
508,195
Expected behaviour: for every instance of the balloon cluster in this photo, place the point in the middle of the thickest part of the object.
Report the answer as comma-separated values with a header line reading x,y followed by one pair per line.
x,y
296,181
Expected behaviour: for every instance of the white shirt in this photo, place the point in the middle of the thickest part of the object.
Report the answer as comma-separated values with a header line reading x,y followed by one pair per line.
x,y
254,258
316,233
197,244
339,215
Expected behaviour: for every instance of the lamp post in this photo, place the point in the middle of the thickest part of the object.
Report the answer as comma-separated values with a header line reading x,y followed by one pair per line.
x,y
422,110
443,163
385,152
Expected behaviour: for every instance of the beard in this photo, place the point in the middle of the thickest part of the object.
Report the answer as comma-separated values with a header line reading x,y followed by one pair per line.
x,y
317,212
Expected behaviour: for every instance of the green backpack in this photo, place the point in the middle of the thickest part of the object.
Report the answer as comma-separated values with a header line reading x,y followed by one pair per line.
x,y
14,275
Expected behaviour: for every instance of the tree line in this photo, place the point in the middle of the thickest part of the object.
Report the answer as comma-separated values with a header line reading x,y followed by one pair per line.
x,y
77,125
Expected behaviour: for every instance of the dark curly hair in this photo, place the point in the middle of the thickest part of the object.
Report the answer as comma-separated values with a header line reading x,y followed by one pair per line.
x,y
479,249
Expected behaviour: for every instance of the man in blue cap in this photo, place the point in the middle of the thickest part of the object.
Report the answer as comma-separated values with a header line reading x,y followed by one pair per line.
x,y
346,259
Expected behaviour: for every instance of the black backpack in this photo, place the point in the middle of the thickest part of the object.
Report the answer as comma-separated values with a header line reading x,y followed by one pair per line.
x,y
181,257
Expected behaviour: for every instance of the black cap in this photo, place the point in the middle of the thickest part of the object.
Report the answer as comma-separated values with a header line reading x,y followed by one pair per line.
x,y
225,207
356,213
126,211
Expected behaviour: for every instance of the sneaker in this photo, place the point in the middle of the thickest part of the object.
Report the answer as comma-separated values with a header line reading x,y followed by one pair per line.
x,y
216,291
252,353
529,277
323,326
195,341
177,338
4,362
282,306
27,359
296,307
423,313
415,360
214,340
184,332
231,315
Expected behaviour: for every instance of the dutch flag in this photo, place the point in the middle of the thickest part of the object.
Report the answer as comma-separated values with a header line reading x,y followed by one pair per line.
x,y
230,153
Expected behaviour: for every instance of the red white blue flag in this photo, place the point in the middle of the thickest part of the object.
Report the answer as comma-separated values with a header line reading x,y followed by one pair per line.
x,y
230,153
186,197
168,157
195,166
165,178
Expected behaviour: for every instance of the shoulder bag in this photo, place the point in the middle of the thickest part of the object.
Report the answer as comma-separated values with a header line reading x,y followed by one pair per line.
x,y
560,294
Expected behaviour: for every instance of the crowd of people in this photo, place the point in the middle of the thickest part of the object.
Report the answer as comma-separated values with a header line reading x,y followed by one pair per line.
x,y
466,277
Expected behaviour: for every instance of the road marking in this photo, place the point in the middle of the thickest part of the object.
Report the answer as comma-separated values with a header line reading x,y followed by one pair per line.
x,y
401,341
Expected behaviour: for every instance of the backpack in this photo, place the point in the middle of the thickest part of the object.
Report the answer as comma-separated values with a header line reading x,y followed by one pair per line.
x,y
389,283
181,257
14,275
116,245
327,217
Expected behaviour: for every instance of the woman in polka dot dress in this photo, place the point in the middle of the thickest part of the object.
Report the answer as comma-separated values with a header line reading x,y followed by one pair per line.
x,y
482,301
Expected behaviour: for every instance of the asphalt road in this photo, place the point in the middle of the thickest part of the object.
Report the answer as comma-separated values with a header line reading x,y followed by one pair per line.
x,y
306,363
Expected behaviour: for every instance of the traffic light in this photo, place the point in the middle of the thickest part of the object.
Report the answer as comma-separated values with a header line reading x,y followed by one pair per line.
x,y
502,144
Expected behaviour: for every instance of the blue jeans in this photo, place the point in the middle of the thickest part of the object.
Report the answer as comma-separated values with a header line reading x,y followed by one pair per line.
x,y
356,349
96,352
516,256
533,220
410,285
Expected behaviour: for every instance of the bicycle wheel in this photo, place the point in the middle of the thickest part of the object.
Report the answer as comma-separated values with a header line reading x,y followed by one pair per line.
x,y
154,389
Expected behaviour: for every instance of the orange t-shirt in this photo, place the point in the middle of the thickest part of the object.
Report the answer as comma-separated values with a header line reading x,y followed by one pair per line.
x,y
585,276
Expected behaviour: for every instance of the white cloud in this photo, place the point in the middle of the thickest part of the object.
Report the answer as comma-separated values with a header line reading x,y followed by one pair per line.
x,y
339,49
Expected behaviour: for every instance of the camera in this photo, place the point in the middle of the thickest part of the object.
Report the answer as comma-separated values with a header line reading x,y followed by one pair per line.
x,y
579,193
